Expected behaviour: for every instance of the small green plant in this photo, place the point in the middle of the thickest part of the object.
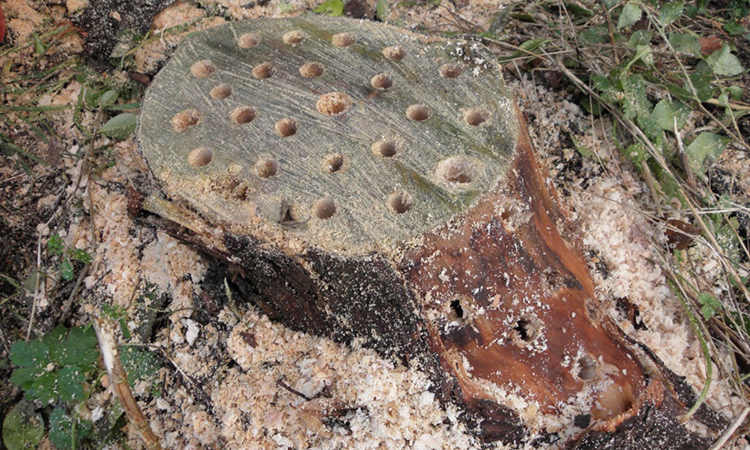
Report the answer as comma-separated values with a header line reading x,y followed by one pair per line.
x,y
68,255
58,370
55,368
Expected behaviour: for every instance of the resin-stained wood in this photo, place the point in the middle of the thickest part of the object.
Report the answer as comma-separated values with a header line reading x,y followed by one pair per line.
x,y
378,187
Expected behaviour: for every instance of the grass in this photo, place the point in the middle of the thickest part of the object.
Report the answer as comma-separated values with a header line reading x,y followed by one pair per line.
x,y
671,76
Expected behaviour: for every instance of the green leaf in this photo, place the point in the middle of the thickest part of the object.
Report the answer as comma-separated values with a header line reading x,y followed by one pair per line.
x,y
381,10
704,150
66,270
609,93
595,35
120,127
76,347
669,12
710,305
636,153
25,377
55,245
529,46
735,92
723,62
635,102
138,364
701,81
23,429
71,379
666,112
39,47
29,354
630,14
285,7
67,432
331,8
640,38
80,255
44,388
577,10
108,98
685,43
734,28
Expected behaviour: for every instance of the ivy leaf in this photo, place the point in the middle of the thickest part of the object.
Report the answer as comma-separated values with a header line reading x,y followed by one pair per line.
x,y
723,62
703,150
670,12
631,13
120,127
23,429
666,112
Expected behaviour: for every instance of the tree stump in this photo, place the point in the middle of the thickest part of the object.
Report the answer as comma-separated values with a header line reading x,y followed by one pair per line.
x,y
378,186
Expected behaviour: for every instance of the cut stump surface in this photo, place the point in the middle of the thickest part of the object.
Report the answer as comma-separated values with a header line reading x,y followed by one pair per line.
x,y
380,186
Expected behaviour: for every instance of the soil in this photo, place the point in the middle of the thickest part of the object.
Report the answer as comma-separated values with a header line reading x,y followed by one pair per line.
x,y
229,377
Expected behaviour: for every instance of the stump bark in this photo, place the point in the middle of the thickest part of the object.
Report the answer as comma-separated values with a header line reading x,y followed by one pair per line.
x,y
380,188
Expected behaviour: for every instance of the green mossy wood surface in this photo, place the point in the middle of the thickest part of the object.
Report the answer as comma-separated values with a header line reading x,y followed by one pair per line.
x,y
441,165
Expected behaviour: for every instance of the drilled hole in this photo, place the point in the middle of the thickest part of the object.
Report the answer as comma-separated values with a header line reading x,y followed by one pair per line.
x,y
384,148
476,116
248,40
457,170
203,69
243,115
343,39
333,163
221,91
266,167
381,81
263,71
526,330
293,37
457,309
587,368
394,53
400,202
200,157
450,70
185,119
285,127
334,103
312,70
418,113
324,208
